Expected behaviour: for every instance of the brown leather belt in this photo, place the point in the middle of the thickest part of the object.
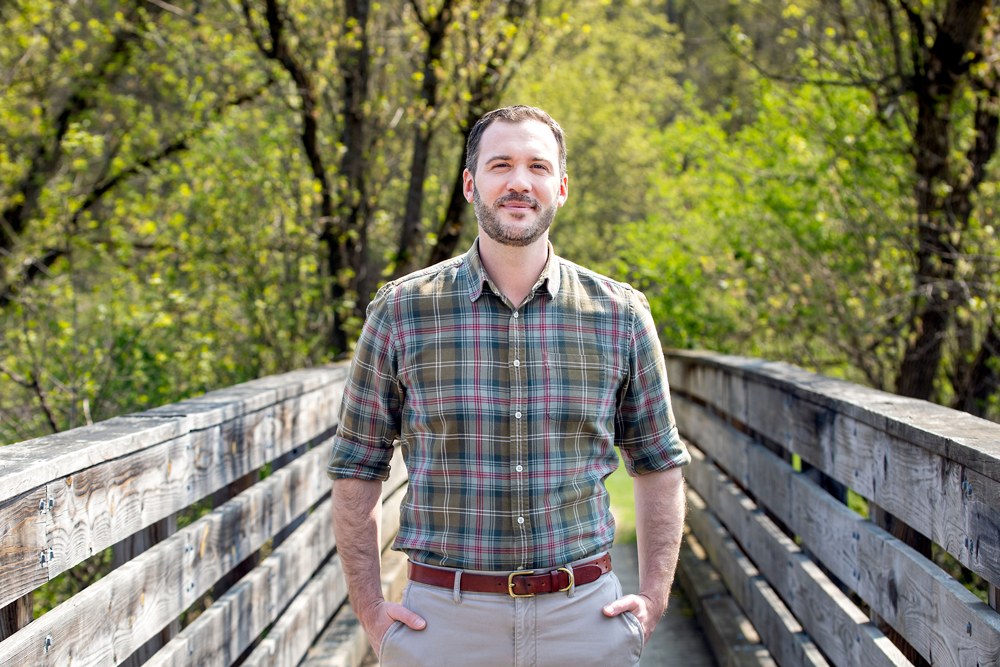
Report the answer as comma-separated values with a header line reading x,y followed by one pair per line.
x,y
518,584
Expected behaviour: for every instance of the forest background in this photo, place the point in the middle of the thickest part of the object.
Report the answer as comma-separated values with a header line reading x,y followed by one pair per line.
x,y
196,193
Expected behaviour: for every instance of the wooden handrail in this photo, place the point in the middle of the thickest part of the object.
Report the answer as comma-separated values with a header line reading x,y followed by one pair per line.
x,y
934,468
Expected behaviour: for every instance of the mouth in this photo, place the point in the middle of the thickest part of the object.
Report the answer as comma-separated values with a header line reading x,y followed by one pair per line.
x,y
517,204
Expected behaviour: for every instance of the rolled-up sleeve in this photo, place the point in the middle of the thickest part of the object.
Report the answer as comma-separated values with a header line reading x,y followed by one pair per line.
x,y
645,431
370,410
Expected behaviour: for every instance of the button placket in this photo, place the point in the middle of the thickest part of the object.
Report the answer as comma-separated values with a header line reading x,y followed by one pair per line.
x,y
517,395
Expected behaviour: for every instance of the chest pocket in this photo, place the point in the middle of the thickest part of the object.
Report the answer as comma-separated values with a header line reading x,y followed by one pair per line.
x,y
575,388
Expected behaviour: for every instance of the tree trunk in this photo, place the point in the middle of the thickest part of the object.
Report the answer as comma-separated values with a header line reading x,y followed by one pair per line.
x,y
453,222
939,71
982,378
347,236
436,29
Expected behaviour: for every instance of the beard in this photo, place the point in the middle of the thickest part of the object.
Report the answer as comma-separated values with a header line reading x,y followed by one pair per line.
x,y
510,235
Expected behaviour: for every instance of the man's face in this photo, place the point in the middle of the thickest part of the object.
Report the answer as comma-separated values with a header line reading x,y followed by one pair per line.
x,y
517,187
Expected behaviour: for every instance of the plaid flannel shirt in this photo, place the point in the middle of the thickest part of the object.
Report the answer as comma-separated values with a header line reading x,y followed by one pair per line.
x,y
508,416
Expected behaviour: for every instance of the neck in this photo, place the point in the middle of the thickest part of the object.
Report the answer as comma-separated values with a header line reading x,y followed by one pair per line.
x,y
514,270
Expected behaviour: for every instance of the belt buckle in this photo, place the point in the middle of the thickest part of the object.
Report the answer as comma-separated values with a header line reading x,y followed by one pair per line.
x,y
510,584
570,573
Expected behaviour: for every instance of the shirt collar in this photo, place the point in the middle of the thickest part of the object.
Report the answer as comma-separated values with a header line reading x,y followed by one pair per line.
x,y
476,274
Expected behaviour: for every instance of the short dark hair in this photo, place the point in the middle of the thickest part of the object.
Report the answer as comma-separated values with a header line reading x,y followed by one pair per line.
x,y
515,114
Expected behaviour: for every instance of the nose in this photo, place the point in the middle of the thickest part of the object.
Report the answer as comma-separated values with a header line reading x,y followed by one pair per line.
x,y
519,181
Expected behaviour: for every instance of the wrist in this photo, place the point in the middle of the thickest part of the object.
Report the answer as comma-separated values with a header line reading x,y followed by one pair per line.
x,y
655,604
367,610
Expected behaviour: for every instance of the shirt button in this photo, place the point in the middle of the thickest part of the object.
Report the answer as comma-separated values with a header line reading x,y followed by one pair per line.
x,y
515,314
519,468
517,414
520,519
517,363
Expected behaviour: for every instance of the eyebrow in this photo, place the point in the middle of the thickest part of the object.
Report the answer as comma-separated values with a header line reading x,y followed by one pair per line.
x,y
508,157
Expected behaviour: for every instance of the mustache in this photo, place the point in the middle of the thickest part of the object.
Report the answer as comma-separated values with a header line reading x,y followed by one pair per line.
x,y
518,197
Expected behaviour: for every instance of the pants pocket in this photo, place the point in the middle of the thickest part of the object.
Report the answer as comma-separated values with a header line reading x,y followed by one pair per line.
x,y
640,636
386,639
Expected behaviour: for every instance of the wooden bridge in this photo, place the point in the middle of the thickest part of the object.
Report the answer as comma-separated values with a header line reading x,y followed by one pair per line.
x,y
221,505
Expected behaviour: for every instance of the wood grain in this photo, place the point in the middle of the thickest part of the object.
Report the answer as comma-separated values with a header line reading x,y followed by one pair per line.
x,y
99,505
30,464
110,619
932,611
344,642
24,554
777,628
226,629
838,627
953,505
967,440
290,639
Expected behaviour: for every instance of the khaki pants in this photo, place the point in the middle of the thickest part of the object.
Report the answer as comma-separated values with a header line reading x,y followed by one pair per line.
x,y
492,630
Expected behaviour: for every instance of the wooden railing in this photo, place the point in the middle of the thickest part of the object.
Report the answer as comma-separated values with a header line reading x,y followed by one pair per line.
x,y
800,578
776,451
123,482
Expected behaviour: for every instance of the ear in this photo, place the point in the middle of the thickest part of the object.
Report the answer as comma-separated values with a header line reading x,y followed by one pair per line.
x,y
563,189
468,185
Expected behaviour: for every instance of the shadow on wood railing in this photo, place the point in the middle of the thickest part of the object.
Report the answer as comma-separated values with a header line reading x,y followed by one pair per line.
x,y
821,583
121,483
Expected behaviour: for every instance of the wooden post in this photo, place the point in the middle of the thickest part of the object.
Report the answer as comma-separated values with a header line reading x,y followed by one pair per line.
x,y
124,551
16,615
922,544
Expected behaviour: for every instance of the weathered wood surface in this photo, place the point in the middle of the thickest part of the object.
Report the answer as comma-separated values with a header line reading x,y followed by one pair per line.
x,y
343,644
137,476
27,465
937,615
271,592
955,506
126,550
837,625
774,624
110,619
290,639
726,381
225,630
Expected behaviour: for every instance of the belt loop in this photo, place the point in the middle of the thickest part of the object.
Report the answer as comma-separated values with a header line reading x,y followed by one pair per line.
x,y
572,583
458,587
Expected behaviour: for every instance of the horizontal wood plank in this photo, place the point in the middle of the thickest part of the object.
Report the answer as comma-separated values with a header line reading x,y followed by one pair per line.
x,y
344,643
837,626
100,505
967,440
956,507
290,639
938,616
110,619
227,628
30,464
774,624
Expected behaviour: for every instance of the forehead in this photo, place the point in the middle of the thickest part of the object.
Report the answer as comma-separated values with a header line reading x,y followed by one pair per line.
x,y
529,138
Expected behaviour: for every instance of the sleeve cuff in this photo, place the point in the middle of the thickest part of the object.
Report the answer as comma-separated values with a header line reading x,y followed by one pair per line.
x,y
353,460
662,453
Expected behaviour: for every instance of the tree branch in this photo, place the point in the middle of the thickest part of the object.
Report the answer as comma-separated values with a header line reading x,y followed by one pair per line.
x,y
33,385
39,265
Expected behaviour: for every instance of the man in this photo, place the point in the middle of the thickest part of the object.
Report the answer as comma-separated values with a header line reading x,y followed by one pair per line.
x,y
510,376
